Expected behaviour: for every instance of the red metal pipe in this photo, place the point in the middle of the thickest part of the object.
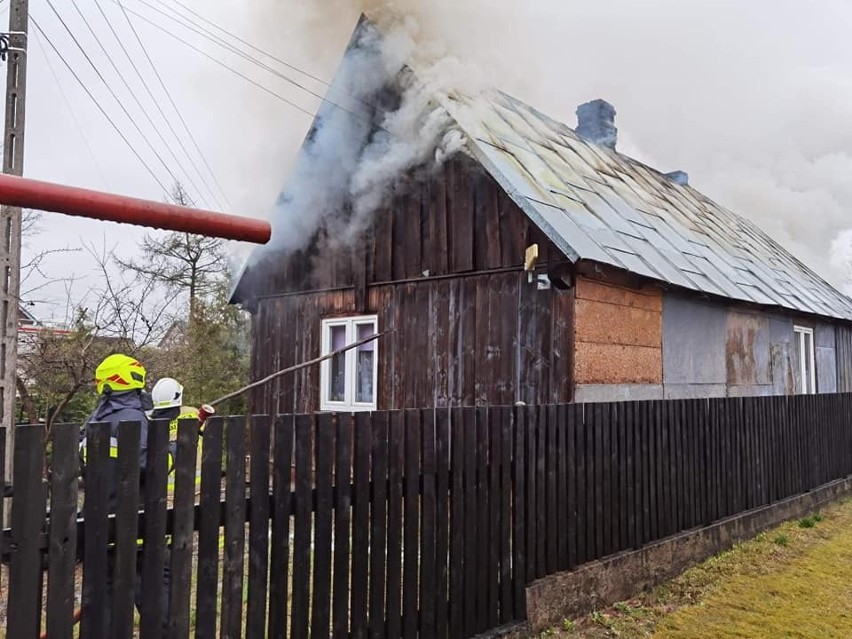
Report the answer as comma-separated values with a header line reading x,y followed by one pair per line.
x,y
69,200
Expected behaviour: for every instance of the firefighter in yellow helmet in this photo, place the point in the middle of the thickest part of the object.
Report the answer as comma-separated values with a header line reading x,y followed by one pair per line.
x,y
120,382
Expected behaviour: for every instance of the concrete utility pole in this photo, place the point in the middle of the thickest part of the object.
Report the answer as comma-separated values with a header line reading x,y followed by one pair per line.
x,y
10,220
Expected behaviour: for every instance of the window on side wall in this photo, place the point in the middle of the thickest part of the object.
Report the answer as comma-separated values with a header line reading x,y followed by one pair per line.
x,y
806,360
348,381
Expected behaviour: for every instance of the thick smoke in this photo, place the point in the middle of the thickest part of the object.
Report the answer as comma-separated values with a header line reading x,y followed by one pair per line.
x,y
381,118
756,110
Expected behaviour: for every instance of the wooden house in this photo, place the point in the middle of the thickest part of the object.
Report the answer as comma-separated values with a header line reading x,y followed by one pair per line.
x,y
642,287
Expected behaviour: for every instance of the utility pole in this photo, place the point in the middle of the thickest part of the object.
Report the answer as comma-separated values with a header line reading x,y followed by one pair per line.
x,y
10,221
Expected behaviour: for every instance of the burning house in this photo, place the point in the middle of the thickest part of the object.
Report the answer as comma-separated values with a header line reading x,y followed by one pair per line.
x,y
515,259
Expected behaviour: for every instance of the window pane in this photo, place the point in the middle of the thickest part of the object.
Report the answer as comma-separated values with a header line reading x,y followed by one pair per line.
x,y
338,337
365,331
365,365
797,359
337,366
808,354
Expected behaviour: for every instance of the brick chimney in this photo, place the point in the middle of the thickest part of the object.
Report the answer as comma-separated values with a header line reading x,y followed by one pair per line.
x,y
596,123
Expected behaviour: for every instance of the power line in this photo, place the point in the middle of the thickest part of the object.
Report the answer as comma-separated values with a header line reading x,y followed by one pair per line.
x,y
112,92
212,59
172,102
235,71
141,108
160,108
218,40
249,44
71,109
331,87
98,105
206,33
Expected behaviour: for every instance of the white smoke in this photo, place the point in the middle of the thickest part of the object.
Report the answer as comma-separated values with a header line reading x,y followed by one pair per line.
x,y
420,132
359,149
841,254
756,110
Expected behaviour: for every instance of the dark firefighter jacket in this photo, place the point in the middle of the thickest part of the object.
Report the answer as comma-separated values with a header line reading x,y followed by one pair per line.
x,y
113,409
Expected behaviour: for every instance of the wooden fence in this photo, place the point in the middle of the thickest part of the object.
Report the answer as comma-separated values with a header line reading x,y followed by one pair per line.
x,y
422,523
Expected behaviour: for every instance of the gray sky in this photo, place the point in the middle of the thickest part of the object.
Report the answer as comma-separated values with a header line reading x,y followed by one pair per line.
x,y
753,100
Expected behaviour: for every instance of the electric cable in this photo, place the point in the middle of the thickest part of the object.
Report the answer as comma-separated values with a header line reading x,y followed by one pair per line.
x,y
222,42
249,44
218,40
172,102
145,112
112,92
64,95
167,120
163,29
215,60
98,105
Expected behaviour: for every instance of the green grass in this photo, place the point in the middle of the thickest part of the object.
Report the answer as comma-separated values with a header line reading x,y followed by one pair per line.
x,y
791,581
782,539
810,521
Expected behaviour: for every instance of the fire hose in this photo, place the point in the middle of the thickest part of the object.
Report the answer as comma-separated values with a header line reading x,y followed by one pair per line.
x,y
208,410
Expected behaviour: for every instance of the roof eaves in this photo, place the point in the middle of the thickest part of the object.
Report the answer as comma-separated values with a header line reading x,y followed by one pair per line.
x,y
524,201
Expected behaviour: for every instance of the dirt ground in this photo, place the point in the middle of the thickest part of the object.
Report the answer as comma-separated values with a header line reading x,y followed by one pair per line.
x,y
793,581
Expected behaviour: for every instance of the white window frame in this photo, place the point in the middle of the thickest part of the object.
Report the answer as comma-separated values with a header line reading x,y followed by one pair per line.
x,y
350,365
803,335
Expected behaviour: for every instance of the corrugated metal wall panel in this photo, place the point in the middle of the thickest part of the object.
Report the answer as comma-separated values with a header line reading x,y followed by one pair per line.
x,y
844,359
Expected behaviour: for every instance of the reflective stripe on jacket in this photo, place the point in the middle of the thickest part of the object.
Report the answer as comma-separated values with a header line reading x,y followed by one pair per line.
x,y
186,412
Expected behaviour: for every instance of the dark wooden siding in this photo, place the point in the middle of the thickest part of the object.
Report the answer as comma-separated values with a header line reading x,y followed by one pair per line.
x,y
453,220
442,265
476,340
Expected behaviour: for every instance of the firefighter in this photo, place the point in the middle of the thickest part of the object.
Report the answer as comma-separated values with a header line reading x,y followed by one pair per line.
x,y
167,398
120,383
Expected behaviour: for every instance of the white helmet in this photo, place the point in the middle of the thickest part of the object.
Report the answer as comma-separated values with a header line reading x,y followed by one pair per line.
x,y
167,393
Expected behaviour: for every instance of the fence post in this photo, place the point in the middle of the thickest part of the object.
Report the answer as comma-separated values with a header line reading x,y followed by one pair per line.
x,y
96,533
63,531
28,513
183,511
235,526
126,529
154,536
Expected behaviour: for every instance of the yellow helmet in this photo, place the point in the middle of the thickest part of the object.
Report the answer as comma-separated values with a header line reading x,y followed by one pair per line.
x,y
119,373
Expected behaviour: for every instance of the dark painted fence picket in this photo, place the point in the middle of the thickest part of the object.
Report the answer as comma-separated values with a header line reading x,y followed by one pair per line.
x,y
420,523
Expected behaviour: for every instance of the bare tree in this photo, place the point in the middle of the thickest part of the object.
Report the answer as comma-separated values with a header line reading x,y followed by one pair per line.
x,y
120,314
178,285
126,305
184,263
34,280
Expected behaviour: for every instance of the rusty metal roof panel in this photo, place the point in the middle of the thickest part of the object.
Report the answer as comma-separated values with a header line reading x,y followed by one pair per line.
x,y
596,204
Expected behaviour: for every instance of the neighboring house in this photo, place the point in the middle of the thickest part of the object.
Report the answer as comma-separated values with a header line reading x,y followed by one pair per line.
x,y
643,287
29,330
175,336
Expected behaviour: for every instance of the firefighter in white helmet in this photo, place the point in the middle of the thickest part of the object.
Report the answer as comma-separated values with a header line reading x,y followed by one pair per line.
x,y
167,397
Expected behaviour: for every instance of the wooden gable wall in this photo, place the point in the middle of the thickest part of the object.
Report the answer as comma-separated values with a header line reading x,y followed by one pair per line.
x,y
452,220
443,267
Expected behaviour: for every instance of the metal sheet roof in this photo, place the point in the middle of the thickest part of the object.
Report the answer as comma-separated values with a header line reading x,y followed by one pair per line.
x,y
596,204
